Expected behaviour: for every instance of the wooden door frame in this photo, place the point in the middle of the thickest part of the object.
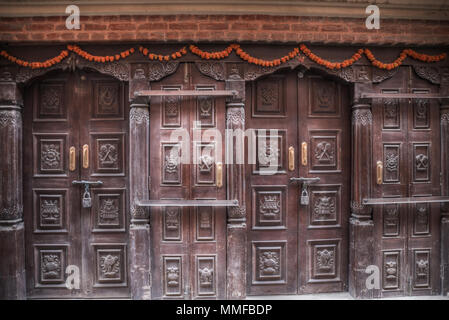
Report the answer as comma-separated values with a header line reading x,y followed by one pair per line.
x,y
236,73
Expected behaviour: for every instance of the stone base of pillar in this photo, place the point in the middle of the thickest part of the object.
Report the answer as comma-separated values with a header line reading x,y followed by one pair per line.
x,y
236,257
361,255
12,262
140,270
445,255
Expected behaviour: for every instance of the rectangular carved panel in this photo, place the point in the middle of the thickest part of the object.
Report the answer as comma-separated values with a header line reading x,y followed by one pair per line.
x,y
421,269
206,275
324,154
269,97
110,265
204,163
392,163
391,114
270,152
269,262
205,223
421,219
391,270
52,104
50,262
50,154
172,281
269,207
171,170
391,220
172,223
205,108
324,259
50,210
325,206
107,101
421,113
324,98
171,109
108,210
421,162
108,154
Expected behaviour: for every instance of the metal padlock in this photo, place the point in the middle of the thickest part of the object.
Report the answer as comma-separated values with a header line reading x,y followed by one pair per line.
x,y
304,196
87,200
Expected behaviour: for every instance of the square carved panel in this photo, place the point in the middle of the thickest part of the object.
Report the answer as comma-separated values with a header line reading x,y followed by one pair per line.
x,y
50,210
391,220
108,210
421,113
325,206
108,154
172,223
324,259
421,269
50,262
324,154
171,109
51,104
107,100
269,96
110,265
268,262
206,275
392,163
421,219
172,280
49,154
204,160
205,108
421,162
205,223
391,270
171,169
269,207
391,112
324,98
269,152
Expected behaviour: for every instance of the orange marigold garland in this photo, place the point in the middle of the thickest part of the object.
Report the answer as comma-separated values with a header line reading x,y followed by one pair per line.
x,y
213,55
172,56
331,65
91,57
404,53
35,65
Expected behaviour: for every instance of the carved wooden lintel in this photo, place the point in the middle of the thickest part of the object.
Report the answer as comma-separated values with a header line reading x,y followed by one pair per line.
x,y
158,70
213,69
429,73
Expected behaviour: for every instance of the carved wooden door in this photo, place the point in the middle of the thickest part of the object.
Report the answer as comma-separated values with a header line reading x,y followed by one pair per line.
x,y
294,248
76,129
407,142
189,243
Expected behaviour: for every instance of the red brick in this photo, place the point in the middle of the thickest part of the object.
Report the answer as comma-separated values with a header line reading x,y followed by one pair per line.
x,y
214,26
97,36
153,26
122,26
183,26
82,36
244,26
39,27
275,27
92,26
304,27
333,27
11,27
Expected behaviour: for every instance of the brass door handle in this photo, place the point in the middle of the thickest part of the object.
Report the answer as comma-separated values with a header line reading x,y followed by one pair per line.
x,y
291,159
86,156
72,159
380,169
219,174
304,153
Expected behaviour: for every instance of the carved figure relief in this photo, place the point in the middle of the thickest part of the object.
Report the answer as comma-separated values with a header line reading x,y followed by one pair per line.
x,y
50,156
325,96
268,154
107,98
325,260
421,108
324,206
206,162
324,152
391,163
422,162
172,273
422,268
172,218
205,222
391,108
421,214
269,263
108,154
171,162
206,275
109,211
51,266
392,217
110,266
270,206
50,212
391,270
205,105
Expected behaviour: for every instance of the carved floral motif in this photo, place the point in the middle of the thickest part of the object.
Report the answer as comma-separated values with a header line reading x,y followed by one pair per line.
x,y
270,206
269,263
109,211
362,116
325,259
50,155
392,162
110,266
172,273
50,211
10,118
324,206
51,266
268,154
139,115
206,275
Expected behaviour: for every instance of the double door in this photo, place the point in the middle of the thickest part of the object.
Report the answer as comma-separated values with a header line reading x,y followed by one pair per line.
x,y
298,185
187,164
75,133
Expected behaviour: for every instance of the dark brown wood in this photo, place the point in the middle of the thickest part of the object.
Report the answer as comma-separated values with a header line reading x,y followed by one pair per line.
x,y
403,96
186,93
189,203
380,201
189,244
444,230
65,110
407,141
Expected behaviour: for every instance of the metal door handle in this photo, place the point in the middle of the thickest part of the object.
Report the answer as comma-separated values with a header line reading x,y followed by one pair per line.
x,y
304,153
305,180
72,159
219,174
291,159
380,169
86,156
87,182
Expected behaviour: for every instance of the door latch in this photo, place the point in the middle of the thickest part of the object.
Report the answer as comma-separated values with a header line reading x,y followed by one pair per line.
x,y
87,199
305,199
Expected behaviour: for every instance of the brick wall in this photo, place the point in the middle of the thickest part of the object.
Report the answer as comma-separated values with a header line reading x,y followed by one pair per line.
x,y
243,28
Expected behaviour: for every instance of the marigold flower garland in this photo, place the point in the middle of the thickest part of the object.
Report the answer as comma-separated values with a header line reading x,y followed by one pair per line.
x,y
226,52
152,56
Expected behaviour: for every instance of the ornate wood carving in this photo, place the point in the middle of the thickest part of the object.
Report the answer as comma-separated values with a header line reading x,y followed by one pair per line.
x,y
213,69
252,72
158,70
380,75
429,73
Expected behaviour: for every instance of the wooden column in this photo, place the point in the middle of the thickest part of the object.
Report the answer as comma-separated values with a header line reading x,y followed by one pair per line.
x,y
236,218
139,172
444,111
361,251
12,244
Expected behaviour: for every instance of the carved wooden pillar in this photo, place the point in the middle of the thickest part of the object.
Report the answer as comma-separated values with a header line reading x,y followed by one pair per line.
x,y
139,148
236,224
444,111
361,251
12,244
